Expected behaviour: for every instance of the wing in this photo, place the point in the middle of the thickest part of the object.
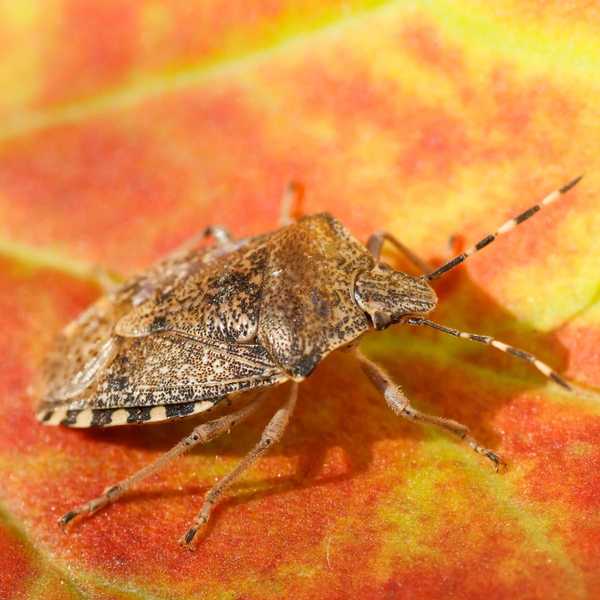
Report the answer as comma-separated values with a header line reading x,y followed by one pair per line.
x,y
87,344
164,376
95,376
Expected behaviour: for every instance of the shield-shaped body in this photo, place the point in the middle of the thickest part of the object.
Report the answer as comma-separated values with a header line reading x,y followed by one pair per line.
x,y
205,324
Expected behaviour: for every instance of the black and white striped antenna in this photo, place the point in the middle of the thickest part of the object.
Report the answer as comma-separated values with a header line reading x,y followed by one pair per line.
x,y
508,226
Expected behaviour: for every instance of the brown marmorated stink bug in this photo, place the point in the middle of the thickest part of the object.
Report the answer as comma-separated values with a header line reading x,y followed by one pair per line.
x,y
203,325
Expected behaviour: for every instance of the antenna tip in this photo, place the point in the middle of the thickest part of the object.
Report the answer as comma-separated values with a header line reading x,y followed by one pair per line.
x,y
571,184
560,381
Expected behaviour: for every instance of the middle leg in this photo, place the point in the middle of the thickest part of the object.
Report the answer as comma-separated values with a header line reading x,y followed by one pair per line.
x,y
399,403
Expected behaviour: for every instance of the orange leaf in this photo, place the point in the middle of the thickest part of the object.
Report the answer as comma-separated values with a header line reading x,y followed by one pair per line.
x,y
127,127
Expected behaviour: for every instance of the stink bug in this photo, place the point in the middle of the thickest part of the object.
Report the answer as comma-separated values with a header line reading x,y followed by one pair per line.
x,y
204,325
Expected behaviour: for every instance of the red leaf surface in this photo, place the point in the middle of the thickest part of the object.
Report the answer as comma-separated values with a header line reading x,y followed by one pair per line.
x,y
127,127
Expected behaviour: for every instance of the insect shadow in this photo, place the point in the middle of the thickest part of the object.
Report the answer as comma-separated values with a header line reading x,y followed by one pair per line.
x,y
339,409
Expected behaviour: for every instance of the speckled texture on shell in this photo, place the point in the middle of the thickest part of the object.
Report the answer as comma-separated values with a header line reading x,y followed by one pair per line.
x,y
204,324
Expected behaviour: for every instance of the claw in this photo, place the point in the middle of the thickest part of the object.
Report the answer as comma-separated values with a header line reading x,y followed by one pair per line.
x,y
89,508
67,518
499,464
187,540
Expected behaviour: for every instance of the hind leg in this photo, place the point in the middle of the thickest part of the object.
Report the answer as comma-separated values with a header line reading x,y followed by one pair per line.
x,y
271,435
201,434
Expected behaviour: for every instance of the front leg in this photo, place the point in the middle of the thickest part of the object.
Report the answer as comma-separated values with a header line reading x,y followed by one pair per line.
x,y
399,403
375,245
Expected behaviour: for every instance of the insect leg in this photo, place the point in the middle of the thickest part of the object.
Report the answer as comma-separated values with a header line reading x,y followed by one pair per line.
x,y
221,236
201,434
375,244
271,434
490,341
290,210
399,403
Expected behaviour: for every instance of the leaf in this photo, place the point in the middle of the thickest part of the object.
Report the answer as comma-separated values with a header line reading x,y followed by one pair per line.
x,y
128,127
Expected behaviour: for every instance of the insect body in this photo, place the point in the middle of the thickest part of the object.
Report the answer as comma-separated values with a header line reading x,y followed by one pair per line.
x,y
204,325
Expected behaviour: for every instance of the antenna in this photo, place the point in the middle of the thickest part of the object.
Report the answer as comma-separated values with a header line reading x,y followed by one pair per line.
x,y
508,226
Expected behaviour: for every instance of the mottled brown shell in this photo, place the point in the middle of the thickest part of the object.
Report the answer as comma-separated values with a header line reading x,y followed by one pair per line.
x,y
204,324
